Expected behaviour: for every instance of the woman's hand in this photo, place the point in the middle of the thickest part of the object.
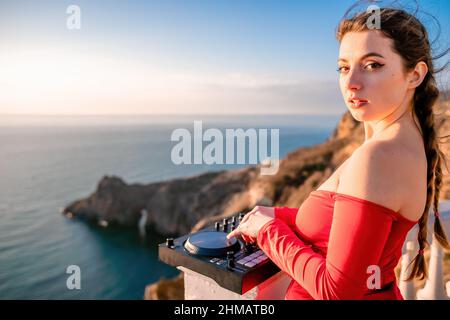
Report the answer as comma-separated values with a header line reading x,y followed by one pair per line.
x,y
253,222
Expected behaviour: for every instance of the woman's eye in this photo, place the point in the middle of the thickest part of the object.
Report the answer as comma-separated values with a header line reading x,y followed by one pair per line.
x,y
373,65
342,69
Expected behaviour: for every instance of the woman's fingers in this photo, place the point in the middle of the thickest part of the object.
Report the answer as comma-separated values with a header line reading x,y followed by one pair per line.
x,y
238,232
248,239
234,233
247,215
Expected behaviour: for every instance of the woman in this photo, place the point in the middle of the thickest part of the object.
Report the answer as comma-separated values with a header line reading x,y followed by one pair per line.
x,y
346,239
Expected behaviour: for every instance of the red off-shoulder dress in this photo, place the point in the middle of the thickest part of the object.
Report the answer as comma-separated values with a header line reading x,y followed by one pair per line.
x,y
334,245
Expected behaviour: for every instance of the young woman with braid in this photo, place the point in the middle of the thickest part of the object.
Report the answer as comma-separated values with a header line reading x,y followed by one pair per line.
x,y
354,225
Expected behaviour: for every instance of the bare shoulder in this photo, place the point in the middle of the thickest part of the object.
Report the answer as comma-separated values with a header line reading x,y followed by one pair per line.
x,y
387,173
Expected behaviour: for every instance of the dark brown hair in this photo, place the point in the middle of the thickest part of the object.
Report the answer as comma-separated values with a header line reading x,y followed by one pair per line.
x,y
411,42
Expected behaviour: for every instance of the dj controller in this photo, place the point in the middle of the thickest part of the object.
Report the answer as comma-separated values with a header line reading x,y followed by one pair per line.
x,y
234,264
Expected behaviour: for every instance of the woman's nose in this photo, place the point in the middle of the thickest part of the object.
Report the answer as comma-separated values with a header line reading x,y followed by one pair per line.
x,y
353,81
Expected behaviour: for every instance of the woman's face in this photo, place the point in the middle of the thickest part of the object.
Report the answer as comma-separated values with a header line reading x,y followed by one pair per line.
x,y
371,75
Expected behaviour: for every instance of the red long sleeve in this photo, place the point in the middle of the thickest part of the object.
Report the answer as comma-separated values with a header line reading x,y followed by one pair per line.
x,y
287,215
358,235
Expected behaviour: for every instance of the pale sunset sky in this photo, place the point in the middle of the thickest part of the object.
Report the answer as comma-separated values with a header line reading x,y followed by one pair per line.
x,y
176,57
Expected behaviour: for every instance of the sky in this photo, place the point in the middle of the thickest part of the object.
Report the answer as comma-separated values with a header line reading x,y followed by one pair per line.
x,y
176,57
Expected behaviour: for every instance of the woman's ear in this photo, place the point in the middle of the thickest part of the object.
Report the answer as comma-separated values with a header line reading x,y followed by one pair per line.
x,y
417,75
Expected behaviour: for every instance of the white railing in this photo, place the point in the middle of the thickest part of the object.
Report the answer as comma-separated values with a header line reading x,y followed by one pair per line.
x,y
435,288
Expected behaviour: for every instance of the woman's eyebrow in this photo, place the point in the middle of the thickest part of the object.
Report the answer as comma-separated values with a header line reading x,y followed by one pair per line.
x,y
370,54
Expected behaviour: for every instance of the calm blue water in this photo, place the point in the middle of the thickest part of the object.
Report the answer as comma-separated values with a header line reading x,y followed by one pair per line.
x,y
47,162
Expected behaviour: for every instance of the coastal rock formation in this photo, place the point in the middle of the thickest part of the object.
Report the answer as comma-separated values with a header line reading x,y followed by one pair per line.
x,y
173,207
166,289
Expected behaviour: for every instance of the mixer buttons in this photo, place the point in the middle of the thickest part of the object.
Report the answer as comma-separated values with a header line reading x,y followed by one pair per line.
x,y
214,260
252,256
170,243
259,252
253,259
250,264
225,226
220,262
243,261
260,259
255,254
256,260
230,259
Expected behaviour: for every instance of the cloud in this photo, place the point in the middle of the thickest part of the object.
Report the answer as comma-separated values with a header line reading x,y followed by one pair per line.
x,y
274,95
58,81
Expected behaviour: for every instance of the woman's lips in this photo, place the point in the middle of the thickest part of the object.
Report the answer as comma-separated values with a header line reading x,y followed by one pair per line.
x,y
357,103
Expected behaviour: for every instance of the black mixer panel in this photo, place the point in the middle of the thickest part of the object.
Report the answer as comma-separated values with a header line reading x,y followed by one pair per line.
x,y
232,263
